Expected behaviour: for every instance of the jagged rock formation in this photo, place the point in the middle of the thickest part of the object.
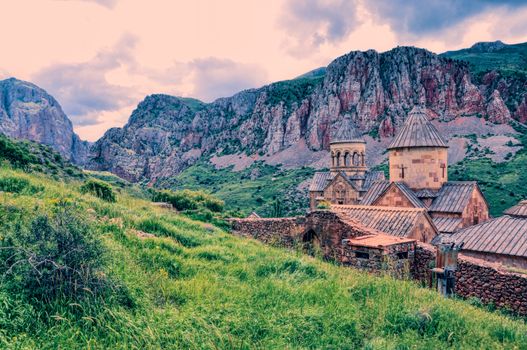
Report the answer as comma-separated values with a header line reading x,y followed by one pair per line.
x,y
165,134
28,112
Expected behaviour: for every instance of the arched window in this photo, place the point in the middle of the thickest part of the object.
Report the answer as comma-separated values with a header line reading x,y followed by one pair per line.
x,y
338,158
347,159
332,159
356,159
362,159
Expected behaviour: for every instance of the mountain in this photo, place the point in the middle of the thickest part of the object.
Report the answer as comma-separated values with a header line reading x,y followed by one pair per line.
x,y
496,55
166,134
28,112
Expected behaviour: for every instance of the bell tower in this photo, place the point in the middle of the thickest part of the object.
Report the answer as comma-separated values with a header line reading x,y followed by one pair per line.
x,y
348,151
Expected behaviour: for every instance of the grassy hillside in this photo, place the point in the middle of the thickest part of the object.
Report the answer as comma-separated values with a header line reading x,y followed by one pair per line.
x,y
509,59
268,190
176,283
502,183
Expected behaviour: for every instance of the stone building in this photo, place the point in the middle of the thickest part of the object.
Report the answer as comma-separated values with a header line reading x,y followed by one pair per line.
x,y
348,178
418,163
380,253
406,222
502,239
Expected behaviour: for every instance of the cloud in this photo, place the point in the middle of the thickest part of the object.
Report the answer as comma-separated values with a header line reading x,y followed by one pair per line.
x,y
83,89
110,4
414,18
214,77
310,24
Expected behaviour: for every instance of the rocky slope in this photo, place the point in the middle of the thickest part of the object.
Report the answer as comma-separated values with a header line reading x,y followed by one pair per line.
x,y
28,112
166,134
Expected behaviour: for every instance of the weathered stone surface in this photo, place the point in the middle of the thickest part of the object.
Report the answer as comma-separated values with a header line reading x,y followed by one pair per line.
x,y
375,90
28,112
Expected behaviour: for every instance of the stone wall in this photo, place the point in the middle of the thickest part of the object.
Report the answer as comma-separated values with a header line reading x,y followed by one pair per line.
x,y
476,211
477,278
424,167
380,259
323,229
393,198
275,231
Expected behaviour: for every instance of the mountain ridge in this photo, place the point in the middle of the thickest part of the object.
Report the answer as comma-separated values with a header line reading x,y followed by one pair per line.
x,y
374,89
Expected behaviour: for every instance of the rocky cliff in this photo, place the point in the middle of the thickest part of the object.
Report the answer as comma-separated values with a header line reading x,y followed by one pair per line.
x,y
165,134
28,112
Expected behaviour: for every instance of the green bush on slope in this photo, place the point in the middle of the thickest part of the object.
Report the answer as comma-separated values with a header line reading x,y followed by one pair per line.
x,y
99,189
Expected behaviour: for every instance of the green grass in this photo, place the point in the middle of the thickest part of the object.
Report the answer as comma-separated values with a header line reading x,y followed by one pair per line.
x,y
195,286
510,60
255,188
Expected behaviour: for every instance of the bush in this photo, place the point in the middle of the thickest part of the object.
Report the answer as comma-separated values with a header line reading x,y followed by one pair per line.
x,y
16,155
99,189
17,185
189,200
323,205
56,256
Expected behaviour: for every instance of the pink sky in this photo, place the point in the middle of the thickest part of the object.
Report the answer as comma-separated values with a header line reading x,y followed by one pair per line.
x,y
100,58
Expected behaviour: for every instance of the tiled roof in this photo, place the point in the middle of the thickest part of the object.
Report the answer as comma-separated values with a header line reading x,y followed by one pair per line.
x,y
453,197
426,193
447,225
409,194
347,133
519,209
393,221
418,132
503,235
320,181
374,191
377,241
372,176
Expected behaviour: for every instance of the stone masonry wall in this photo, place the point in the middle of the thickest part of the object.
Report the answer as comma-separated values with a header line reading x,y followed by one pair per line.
x,y
424,167
477,278
274,231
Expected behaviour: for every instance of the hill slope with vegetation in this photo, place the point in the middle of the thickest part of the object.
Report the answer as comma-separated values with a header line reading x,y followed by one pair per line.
x,y
83,268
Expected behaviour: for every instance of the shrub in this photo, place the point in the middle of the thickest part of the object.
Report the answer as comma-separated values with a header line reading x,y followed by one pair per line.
x,y
189,200
17,185
16,155
99,189
56,256
323,205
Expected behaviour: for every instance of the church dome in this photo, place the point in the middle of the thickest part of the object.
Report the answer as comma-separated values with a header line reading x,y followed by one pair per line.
x,y
347,134
418,131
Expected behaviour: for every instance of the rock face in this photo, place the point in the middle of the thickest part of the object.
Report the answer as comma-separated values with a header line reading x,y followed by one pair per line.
x,y
166,134
28,112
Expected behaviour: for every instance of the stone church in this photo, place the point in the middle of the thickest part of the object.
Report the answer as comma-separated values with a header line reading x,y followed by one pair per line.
x,y
418,170
348,179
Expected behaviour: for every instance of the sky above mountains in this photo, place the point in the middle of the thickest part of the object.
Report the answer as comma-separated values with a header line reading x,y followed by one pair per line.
x,y
99,58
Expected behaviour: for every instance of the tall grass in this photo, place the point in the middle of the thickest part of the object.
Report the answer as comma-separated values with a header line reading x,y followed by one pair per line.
x,y
194,286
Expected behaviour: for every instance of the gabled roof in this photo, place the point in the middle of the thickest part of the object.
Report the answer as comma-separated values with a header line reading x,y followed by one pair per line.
x,y
425,193
371,177
505,235
447,225
418,132
374,191
320,181
393,221
519,209
347,133
408,193
345,177
253,215
453,196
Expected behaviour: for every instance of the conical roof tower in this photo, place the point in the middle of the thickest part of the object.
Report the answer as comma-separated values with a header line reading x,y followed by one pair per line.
x,y
347,133
418,154
418,131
